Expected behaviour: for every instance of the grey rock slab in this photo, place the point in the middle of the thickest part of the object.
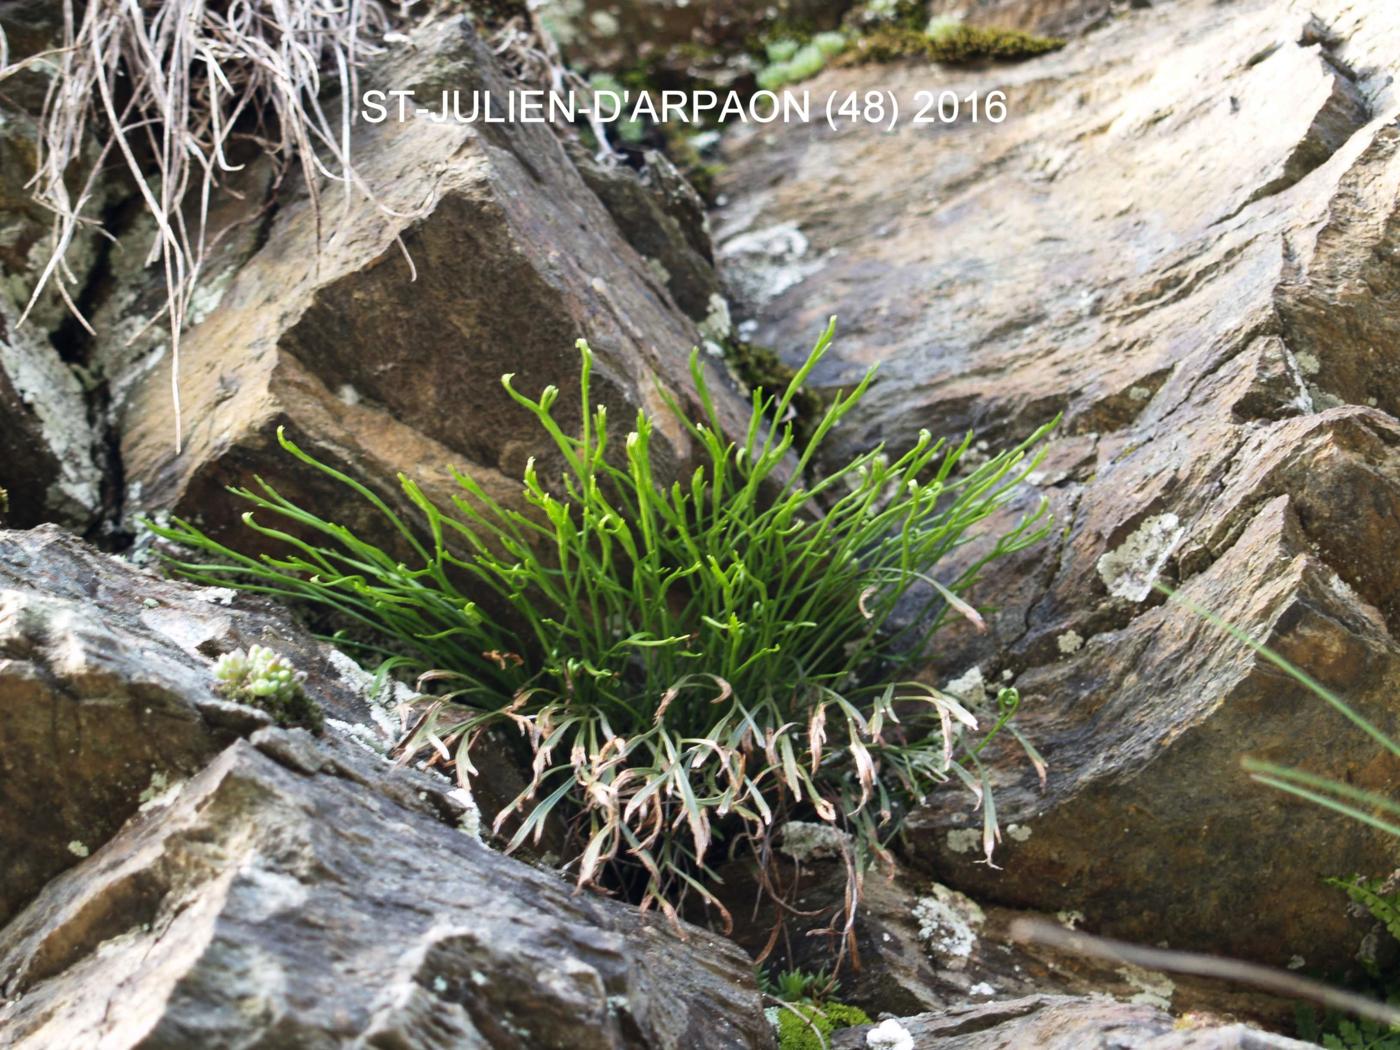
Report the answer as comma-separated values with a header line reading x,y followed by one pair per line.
x,y
278,901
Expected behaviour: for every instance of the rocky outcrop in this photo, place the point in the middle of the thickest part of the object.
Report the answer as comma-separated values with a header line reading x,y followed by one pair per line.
x,y
918,946
378,333
49,457
107,695
1182,239
1051,1021
290,895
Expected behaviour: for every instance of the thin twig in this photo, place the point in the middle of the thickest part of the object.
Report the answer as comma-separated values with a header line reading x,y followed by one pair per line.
x,y
1197,964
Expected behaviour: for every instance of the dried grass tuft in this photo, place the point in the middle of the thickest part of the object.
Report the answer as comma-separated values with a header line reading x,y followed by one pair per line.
x,y
167,86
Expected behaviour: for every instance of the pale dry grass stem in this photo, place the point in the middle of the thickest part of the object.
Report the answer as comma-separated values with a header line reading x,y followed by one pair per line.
x,y
166,88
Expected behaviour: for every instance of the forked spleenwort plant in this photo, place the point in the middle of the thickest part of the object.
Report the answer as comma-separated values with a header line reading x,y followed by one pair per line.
x,y
691,663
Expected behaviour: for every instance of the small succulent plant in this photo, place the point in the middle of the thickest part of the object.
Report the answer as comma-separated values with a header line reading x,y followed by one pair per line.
x,y
264,679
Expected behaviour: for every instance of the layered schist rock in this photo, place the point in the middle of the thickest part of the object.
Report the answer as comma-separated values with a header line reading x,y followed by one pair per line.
x,y
50,460
1059,1022
918,946
378,334
107,695
167,883
1182,239
292,894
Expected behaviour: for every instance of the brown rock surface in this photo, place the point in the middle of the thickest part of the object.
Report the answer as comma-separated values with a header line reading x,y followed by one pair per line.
x,y
1183,238
380,370
921,947
287,897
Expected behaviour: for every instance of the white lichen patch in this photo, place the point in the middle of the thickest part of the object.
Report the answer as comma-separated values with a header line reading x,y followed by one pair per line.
x,y
1018,832
658,271
981,988
160,792
948,923
1070,642
1153,988
1070,920
78,849
717,325
1139,393
348,395
970,687
964,840
469,822
1308,362
1130,570
367,737
889,1034
765,263
382,701
55,395
805,840
1303,400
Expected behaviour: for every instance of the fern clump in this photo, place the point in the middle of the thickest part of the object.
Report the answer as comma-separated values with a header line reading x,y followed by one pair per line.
x,y
263,679
687,664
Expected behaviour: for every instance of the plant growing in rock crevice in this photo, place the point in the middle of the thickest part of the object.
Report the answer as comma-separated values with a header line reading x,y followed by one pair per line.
x,y
261,678
691,664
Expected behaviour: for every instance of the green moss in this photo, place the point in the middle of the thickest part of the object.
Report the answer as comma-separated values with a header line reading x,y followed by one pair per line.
x,y
795,1033
954,42
759,368
951,43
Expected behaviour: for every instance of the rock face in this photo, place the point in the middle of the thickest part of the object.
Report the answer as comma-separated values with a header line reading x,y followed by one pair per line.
x,y
381,345
1057,1022
291,895
923,947
107,699
49,460
1183,238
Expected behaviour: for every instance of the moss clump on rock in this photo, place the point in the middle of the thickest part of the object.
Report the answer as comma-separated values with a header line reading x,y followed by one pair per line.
x,y
951,43
760,368
261,678
801,1032
955,42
